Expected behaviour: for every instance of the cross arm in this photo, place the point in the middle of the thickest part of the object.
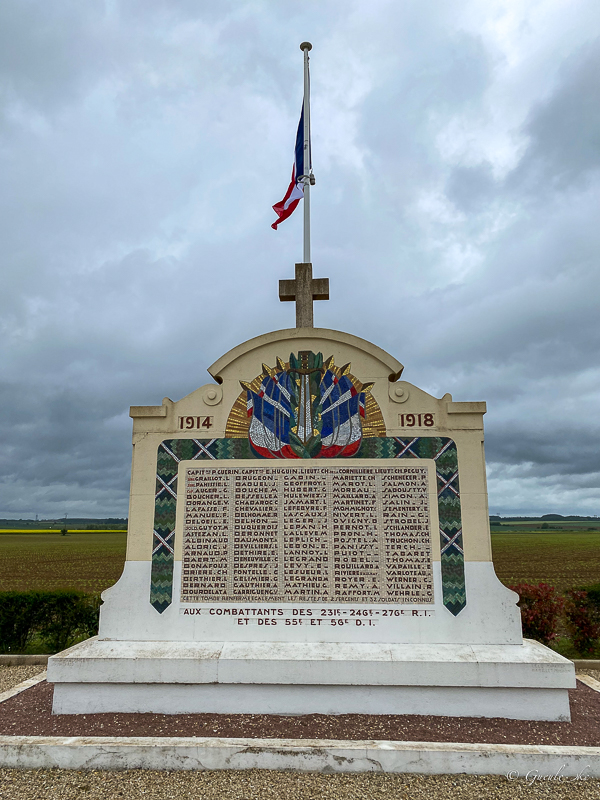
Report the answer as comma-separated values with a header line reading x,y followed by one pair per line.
x,y
287,290
320,289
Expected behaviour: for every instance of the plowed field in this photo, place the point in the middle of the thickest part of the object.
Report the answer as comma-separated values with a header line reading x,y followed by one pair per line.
x,y
89,562
92,562
563,560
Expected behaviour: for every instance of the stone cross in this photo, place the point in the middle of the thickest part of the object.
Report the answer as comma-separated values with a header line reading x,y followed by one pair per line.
x,y
304,289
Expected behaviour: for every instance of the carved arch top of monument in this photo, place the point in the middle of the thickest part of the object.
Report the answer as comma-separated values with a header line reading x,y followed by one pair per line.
x,y
369,360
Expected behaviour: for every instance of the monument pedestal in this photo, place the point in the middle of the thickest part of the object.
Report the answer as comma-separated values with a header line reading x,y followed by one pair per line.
x,y
526,681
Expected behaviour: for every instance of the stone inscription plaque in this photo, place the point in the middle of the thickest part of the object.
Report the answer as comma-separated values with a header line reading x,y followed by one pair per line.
x,y
349,534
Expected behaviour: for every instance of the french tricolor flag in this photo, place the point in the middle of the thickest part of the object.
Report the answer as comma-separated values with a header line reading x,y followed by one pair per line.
x,y
295,191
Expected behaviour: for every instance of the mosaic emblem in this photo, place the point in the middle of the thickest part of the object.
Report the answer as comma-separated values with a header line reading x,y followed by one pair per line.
x,y
306,408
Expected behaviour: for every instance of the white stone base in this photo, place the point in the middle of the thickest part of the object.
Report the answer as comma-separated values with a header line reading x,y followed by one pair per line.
x,y
533,763
526,681
541,704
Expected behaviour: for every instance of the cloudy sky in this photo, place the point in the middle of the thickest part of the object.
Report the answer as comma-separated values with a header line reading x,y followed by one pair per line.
x,y
456,147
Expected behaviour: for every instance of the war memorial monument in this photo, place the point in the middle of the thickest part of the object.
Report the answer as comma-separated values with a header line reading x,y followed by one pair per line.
x,y
308,533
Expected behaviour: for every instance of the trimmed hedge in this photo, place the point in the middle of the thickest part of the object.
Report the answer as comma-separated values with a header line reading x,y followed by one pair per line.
x,y
541,607
583,621
593,594
57,619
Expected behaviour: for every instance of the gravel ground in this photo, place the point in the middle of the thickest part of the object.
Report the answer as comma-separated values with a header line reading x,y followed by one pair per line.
x,y
30,714
10,676
267,785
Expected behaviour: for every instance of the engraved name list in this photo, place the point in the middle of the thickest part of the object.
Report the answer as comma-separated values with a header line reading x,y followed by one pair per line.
x,y
307,534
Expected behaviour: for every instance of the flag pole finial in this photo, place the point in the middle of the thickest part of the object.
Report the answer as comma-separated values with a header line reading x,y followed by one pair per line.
x,y
306,46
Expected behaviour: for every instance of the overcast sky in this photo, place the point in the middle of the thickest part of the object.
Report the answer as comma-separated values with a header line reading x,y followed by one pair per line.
x,y
456,148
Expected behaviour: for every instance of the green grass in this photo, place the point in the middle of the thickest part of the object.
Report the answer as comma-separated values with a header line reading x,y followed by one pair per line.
x,y
527,527
89,562
561,559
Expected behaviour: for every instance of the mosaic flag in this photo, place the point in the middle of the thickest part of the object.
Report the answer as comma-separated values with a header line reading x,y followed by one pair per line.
x,y
342,411
270,410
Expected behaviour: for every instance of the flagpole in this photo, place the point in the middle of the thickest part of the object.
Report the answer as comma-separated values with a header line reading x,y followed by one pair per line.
x,y
305,47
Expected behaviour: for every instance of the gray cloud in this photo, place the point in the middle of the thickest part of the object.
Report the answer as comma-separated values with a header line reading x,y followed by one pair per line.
x,y
142,145
564,130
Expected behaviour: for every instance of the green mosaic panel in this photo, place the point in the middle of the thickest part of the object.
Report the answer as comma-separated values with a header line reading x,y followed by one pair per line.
x,y
442,450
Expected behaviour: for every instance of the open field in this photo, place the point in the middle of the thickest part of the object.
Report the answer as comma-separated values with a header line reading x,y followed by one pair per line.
x,y
561,559
89,562
84,524
93,561
529,527
57,530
